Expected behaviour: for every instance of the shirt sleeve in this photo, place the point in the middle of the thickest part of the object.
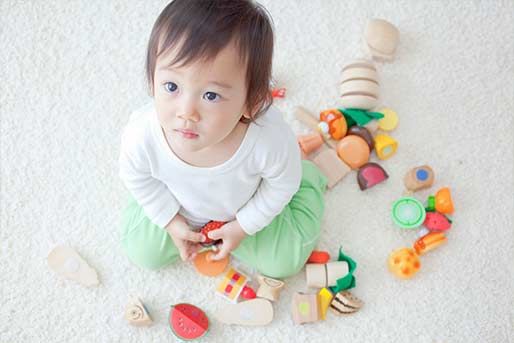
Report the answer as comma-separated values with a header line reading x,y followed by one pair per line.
x,y
159,204
281,177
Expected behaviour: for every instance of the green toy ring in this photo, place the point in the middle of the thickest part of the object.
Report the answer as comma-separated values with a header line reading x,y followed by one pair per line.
x,y
408,213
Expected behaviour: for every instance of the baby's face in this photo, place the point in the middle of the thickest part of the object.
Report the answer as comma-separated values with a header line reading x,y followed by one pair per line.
x,y
200,104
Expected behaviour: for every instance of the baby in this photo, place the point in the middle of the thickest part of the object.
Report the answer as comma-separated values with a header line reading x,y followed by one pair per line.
x,y
211,147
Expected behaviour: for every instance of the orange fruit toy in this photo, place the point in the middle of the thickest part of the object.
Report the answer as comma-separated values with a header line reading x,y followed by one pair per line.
x,y
404,263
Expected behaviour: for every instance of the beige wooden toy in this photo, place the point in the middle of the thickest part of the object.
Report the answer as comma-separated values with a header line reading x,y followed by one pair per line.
x,y
325,275
305,308
309,120
359,85
345,302
331,166
255,312
136,313
68,263
419,178
269,288
381,39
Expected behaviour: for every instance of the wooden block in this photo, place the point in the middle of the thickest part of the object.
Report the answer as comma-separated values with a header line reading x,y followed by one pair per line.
x,y
69,264
345,303
332,166
255,312
232,285
269,288
325,275
137,314
325,298
305,308
419,178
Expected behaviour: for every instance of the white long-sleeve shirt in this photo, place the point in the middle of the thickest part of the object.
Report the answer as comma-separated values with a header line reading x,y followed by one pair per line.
x,y
253,186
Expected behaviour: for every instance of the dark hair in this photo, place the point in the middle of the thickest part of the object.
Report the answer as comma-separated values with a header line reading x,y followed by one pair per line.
x,y
204,28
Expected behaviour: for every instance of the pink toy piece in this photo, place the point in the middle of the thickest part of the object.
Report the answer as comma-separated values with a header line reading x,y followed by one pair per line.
x,y
188,321
370,175
435,221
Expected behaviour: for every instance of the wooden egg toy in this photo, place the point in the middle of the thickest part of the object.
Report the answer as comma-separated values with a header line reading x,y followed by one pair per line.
x,y
404,263
354,151
381,39
359,85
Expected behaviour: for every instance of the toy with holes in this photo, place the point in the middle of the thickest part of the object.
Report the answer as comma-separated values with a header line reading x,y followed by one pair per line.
x,y
232,285
188,322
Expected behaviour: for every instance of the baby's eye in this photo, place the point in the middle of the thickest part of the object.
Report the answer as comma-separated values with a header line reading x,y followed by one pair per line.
x,y
170,87
211,96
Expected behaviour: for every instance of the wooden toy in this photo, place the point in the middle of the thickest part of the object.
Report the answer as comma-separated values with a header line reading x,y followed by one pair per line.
x,y
210,226
325,275
305,308
305,117
137,314
248,293
69,264
404,263
385,146
443,201
269,288
359,85
232,285
325,297
353,150
318,256
429,242
204,264
370,174
310,142
408,213
188,322
345,302
436,221
254,312
363,133
331,166
381,39
419,178
390,120
335,124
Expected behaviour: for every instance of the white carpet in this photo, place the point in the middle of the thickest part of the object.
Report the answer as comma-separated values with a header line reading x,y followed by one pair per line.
x,y
71,72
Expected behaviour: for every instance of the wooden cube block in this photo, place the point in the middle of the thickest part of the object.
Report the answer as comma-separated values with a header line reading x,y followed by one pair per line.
x,y
332,166
306,308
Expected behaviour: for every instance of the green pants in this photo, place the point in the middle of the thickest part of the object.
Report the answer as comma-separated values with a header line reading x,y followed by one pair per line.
x,y
279,250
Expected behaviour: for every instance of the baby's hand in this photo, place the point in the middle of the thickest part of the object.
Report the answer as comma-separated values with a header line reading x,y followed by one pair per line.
x,y
186,240
232,234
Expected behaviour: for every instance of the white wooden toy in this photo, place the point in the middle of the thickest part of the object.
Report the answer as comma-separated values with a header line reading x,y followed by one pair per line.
x,y
381,39
255,312
325,275
136,313
69,264
269,288
359,85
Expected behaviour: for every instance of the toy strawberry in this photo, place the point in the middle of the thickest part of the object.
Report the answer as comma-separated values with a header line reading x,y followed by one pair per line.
x,y
210,226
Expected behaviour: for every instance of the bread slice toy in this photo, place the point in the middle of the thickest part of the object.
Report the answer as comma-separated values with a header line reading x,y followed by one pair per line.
x,y
255,312
69,264
345,303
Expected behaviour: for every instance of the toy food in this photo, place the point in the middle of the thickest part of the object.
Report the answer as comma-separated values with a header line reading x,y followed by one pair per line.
x,y
419,178
188,322
353,150
359,85
232,285
331,166
443,201
324,297
370,175
69,264
429,242
436,221
307,118
248,293
137,314
310,142
305,308
408,213
204,265
318,256
325,275
385,146
335,123
381,38
254,312
210,226
278,92
269,288
345,302
372,126
389,121
363,133
404,263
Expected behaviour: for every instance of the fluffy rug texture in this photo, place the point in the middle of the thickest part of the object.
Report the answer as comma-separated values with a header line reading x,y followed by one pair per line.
x,y
72,72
